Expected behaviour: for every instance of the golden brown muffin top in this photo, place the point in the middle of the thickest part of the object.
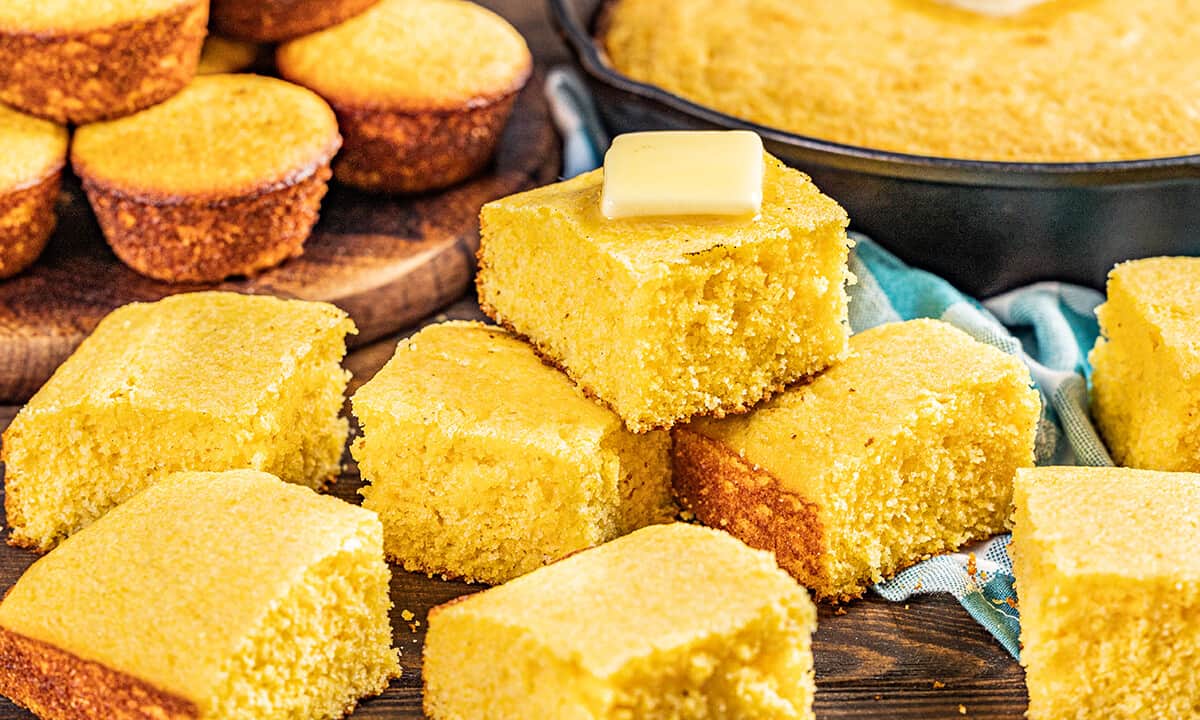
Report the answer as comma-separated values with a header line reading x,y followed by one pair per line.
x,y
222,55
412,55
73,15
33,149
1067,80
223,135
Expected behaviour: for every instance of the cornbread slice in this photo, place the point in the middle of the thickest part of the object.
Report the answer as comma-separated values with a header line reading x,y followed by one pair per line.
x,y
667,318
883,460
223,179
200,381
673,621
210,595
79,62
1109,586
484,463
422,89
35,152
1146,367
274,20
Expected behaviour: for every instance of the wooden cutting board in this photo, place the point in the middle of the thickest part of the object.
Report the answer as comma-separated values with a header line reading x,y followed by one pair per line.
x,y
388,261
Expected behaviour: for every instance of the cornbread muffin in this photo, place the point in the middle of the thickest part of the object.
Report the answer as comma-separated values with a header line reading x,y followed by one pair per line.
x,y
223,179
223,55
1058,82
1146,367
883,460
275,20
35,152
79,62
210,595
674,621
200,381
422,89
664,318
1109,586
485,464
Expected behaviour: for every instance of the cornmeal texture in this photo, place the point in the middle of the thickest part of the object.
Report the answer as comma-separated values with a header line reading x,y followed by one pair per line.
x,y
199,381
664,319
484,463
885,459
673,621
1109,587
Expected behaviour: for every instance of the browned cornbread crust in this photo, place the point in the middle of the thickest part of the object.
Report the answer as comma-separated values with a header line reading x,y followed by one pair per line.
x,y
26,221
58,685
725,491
189,240
276,20
82,77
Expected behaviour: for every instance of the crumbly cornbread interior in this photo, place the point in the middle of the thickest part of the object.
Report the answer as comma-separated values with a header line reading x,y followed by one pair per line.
x,y
278,605
678,316
903,457
484,463
225,55
221,135
71,15
204,381
1109,584
412,54
1070,80
33,148
1146,367
671,621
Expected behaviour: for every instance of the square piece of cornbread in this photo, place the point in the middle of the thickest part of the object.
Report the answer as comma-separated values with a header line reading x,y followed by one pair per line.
x,y
484,463
1108,580
672,622
198,381
904,450
208,595
1146,367
665,318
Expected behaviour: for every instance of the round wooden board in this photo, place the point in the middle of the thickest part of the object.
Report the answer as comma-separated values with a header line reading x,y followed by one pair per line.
x,y
388,261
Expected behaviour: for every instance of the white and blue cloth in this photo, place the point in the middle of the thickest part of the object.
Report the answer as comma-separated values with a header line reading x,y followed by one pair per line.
x,y
1050,326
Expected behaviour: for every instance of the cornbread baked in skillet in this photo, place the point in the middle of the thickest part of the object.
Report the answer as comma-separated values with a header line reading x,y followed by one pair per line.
x,y
1109,586
210,595
200,381
224,55
275,20
665,318
422,89
484,463
1146,366
35,152
223,179
904,450
671,622
79,62
1064,81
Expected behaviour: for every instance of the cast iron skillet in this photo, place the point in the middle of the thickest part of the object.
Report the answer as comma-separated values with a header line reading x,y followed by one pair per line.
x,y
985,226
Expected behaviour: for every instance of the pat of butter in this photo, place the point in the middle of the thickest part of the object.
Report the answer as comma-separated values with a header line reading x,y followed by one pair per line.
x,y
683,173
995,8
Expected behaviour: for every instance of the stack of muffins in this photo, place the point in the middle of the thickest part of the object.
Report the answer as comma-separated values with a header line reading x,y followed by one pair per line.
x,y
196,175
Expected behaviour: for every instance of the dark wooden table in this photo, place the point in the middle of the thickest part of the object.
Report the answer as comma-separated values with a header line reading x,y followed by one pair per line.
x,y
926,659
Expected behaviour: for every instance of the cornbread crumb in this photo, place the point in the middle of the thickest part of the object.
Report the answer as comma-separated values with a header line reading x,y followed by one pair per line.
x,y
938,685
962,709
407,615
673,621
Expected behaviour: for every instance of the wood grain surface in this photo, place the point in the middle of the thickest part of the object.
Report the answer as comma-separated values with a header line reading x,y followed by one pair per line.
x,y
874,659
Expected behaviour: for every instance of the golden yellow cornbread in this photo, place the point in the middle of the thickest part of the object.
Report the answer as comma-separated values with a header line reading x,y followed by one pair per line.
x,y
224,55
223,179
1068,80
665,318
80,62
422,89
1146,365
1108,581
484,463
35,152
210,595
275,20
672,622
881,461
199,381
